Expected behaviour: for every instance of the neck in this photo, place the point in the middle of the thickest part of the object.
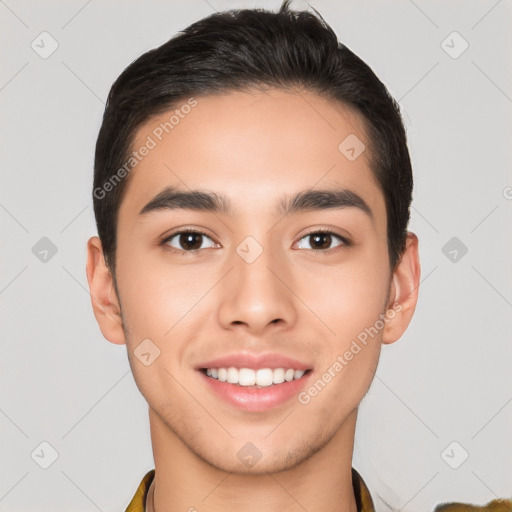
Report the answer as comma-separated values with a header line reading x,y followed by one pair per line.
x,y
185,482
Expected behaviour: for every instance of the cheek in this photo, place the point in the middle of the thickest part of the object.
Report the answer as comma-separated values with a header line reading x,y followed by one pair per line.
x,y
156,293
348,297
164,303
352,309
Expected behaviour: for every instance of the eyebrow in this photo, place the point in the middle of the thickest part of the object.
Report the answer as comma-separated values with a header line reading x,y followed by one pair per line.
x,y
172,198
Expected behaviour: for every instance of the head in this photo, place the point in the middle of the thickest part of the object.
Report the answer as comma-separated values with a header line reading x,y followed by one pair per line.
x,y
282,132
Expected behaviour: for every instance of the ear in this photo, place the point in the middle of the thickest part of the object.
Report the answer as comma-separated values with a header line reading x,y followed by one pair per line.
x,y
105,303
403,294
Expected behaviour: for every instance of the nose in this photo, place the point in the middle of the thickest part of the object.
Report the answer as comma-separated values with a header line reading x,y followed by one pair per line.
x,y
256,295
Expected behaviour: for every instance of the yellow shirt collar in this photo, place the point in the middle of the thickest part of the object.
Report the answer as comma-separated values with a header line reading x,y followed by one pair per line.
x,y
363,498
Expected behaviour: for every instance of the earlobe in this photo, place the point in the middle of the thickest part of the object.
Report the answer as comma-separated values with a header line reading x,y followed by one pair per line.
x,y
104,299
404,292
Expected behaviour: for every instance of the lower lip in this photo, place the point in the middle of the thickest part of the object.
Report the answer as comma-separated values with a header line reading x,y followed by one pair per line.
x,y
256,399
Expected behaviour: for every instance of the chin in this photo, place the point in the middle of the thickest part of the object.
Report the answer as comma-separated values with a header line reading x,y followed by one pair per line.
x,y
250,460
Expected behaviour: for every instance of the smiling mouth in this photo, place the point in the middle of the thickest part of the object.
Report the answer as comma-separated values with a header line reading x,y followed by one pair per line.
x,y
254,378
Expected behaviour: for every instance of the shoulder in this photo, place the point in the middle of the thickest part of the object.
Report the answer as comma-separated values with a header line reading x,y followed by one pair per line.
x,y
498,505
138,502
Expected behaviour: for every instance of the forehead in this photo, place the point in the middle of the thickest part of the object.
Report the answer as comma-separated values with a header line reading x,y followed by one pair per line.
x,y
252,145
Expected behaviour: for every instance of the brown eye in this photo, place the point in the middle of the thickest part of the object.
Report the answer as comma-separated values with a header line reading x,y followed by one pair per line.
x,y
322,240
188,241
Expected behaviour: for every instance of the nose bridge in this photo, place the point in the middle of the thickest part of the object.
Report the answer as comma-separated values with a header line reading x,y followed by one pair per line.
x,y
254,293
253,262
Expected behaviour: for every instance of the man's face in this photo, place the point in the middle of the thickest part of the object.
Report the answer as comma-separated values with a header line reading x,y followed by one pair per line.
x,y
259,282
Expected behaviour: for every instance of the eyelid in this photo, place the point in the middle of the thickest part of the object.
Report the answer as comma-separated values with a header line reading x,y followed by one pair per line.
x,y
167,238
346,241
330,231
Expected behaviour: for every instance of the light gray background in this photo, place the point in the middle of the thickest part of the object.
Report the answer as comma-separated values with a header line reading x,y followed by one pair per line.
x,y
448,379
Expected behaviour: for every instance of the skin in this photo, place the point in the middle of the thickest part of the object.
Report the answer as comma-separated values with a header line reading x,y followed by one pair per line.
x,y
310,304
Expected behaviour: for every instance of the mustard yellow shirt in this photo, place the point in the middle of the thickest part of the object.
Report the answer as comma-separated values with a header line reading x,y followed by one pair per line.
x,y
363,499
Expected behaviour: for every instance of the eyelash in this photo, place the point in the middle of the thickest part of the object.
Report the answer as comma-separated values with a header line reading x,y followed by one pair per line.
x,y
346,242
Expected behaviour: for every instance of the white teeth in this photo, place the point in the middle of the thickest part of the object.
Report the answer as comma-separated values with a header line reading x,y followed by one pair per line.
x,y
247,377
264,377
278,376
232,376
222,375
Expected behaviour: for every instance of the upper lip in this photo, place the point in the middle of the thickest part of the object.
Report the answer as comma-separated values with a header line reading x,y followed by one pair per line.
x,y
254,361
